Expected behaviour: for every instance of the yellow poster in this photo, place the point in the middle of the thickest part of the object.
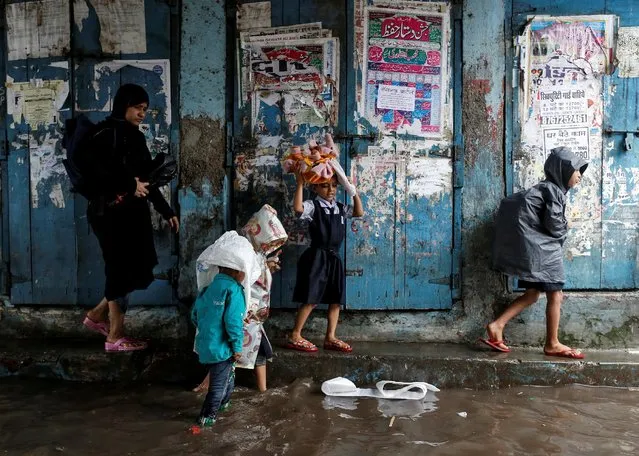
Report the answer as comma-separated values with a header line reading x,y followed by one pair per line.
x,y
36,102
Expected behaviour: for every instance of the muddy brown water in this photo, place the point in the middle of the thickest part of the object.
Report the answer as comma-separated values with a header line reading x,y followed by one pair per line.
x,y
55,418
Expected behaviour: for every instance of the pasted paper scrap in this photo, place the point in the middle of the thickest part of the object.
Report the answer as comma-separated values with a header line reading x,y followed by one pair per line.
x,y
122,24
38,29
253,15
45,163
37,102
160,67
628,52
399,98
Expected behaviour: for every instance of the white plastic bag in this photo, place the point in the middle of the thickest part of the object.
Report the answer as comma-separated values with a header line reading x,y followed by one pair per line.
x,y
342,179
251,345
230,251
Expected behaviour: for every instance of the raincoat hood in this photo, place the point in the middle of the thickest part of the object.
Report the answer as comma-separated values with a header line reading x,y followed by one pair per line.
x,y
560,166
128,95
264,231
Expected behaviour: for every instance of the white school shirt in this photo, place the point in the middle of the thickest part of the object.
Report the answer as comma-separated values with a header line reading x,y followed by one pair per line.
x,y
309,208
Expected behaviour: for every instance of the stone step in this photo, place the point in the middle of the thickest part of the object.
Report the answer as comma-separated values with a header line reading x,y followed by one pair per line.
x,y
444,365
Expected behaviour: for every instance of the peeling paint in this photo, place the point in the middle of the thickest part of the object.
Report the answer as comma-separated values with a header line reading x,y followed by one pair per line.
x,y
202,153
428,177
57,196
45,163
628,52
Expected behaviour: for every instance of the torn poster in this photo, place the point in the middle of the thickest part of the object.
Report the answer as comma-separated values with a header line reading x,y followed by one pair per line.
x,y
157,70
36,102
155,77
253,15
628,52
578,38
122,23
420,5
46,169
268,36
309,69
406,49
38,29
562,99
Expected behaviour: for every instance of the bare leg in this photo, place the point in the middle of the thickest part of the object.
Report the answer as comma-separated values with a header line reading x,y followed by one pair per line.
x,y
100,312
333,318
331,342
496,328
300,320
116,322
260,377
553,313
204,386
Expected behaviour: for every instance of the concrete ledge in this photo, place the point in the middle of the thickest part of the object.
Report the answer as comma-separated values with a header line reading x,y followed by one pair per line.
x,y
458,366
86,361
447,366
29,322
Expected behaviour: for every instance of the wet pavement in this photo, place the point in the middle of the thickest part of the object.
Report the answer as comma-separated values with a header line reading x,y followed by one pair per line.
x,y
45,417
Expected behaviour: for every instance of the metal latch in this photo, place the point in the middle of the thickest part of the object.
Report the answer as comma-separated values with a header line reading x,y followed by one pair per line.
x,y
629,139
348,137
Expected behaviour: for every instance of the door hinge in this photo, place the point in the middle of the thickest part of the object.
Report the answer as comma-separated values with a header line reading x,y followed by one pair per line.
x,y
454,281
174,276
348,137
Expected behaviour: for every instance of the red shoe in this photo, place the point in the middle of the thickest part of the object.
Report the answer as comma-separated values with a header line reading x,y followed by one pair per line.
x,y
337,345
301,345
496,345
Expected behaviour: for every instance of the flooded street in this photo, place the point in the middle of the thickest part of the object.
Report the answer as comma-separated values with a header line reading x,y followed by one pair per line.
x,y
52,418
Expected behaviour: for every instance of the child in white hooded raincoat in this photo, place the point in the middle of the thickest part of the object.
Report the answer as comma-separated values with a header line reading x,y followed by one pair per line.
x,y
266,234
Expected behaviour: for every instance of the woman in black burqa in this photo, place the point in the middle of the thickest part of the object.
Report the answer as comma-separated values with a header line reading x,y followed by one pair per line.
x,y
120,217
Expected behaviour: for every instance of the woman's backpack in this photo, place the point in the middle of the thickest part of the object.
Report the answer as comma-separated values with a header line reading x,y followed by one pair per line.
x,y
77,134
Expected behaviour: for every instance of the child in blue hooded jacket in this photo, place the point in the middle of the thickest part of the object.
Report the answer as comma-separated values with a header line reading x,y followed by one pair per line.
x,y
218,313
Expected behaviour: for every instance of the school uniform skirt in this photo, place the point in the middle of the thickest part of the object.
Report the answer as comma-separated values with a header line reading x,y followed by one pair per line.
x,y
320,277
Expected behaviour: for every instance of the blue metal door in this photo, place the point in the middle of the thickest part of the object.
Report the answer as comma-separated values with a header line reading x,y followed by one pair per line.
x,y
402,254
620,173
601,249
53,256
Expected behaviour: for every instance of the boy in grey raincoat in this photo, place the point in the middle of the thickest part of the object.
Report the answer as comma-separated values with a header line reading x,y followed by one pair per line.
x,y
530,231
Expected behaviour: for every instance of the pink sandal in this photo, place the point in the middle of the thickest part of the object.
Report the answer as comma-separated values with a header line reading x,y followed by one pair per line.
x,y
125,344
97,326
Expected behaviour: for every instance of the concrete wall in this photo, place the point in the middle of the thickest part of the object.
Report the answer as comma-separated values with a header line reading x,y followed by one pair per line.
x,y
589,319
202,133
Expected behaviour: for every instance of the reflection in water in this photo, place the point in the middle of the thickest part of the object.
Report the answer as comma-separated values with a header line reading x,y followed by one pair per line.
x,y
44,417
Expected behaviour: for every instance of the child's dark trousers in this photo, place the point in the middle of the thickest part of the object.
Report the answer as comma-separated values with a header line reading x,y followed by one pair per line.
x,y
221,384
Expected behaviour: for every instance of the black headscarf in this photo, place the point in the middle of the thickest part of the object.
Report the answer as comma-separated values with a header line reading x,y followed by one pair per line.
x,y
128,95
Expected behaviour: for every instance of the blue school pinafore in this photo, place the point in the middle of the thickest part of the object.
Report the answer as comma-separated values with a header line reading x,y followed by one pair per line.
x,y
320,273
